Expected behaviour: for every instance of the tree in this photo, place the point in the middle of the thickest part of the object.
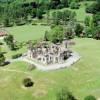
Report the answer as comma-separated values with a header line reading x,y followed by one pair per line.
x,y
55,17
9,39
69,34
56,34
90,97
88,32
87,21
2,59
65,95
39,13
78,29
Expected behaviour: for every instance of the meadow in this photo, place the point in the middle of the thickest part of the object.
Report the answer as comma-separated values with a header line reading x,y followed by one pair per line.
x,y
81,79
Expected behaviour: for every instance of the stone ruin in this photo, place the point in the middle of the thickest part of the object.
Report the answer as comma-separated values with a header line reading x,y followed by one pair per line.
x,y
49,53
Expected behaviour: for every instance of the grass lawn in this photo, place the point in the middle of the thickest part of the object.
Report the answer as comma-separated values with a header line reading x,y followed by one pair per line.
x,y
82,78
28,32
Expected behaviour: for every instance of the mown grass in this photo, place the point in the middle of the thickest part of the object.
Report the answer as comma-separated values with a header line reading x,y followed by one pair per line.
x,y
81,79
28,32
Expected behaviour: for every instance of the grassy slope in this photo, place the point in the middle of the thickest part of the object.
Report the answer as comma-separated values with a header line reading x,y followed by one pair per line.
x,y
82,78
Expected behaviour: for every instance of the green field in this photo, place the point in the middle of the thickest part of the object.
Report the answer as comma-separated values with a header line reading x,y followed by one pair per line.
x,y
28,32
82,78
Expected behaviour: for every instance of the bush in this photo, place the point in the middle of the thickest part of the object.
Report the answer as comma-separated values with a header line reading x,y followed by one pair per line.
x,y
65,95
27,82
90,97
16,56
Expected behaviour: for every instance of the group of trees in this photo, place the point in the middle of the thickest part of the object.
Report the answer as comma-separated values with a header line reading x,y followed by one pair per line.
x,y
18,12
92,28
63,17
93,8
58,33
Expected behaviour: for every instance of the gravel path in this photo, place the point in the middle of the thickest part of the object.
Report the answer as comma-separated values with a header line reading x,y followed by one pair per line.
x,y
74,58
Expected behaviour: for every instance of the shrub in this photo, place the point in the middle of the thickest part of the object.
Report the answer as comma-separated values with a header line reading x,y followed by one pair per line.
x,y
16,56
27,82
90,97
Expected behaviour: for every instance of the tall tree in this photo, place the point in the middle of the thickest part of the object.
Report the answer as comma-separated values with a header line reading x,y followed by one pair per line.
x,y
78,29
9,39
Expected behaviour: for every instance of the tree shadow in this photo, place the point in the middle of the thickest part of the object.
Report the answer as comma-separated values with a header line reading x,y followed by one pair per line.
x,y
5,64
